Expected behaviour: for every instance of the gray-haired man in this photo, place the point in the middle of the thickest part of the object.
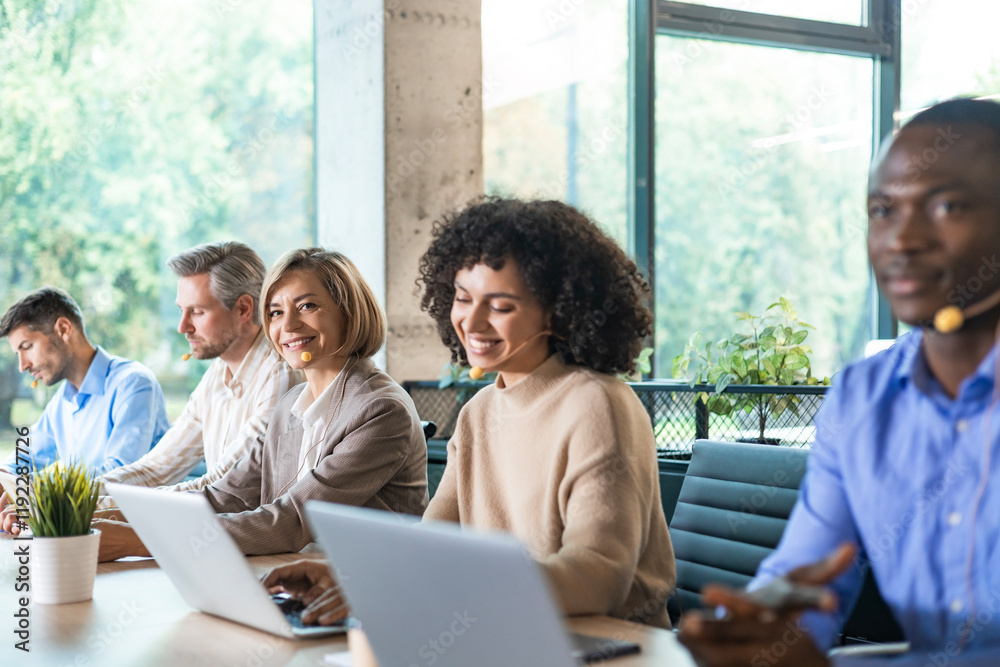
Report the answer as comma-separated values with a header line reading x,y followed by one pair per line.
x,y
217,292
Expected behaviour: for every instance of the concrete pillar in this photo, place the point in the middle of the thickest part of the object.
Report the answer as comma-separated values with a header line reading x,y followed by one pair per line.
x,y
399,130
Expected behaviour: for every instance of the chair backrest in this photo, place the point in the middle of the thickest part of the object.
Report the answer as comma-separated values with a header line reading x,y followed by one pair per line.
x,y
733,507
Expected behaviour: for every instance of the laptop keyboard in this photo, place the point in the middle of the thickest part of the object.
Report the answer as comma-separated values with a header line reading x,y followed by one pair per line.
x,y
292,608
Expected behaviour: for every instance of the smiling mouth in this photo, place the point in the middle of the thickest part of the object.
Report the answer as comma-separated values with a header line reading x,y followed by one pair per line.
x,y
481,346
298,343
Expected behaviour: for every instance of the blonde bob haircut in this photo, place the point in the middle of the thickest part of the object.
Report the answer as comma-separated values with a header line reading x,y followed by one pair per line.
x,y
364,321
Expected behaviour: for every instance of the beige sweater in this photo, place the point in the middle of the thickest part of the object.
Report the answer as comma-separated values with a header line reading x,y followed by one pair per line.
x,y
565,461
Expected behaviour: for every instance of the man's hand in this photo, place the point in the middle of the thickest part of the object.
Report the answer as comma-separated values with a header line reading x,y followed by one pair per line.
x,y
118,540
753,632
312,582
9,520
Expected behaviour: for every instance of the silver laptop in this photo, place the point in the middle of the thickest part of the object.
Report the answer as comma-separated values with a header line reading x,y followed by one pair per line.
x,y
433,594
205,565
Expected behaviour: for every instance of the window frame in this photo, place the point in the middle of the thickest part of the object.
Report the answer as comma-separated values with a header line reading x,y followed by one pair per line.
x,y
878,39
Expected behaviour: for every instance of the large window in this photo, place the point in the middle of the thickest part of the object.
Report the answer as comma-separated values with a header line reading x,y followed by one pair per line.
x,y
132,130
762,124
761,160
555,111
761,121
950,48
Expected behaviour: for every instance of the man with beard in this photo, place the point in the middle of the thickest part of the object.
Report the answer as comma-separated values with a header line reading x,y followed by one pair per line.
x,y
218,288
906,443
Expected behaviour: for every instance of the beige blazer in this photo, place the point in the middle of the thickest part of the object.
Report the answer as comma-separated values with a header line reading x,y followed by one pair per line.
x,y
373,455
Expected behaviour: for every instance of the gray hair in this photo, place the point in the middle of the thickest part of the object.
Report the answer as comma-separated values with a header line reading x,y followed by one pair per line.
x,y
234,269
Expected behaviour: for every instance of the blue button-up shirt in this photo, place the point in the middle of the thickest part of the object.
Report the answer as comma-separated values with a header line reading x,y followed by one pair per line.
x,y
899,469
116,416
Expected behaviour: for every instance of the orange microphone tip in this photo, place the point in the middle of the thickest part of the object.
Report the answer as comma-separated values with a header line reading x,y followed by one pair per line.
x,y
185,356
476,372
949,319
34,385
305,356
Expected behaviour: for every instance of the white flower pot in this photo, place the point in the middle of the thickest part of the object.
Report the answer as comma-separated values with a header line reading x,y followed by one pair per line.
x,y
63,568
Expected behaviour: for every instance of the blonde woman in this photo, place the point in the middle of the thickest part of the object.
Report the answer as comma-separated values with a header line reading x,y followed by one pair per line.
x,y
348,435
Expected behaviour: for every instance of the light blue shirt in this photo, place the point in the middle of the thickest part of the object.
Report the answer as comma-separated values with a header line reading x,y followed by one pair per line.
x,y
896,469
116,416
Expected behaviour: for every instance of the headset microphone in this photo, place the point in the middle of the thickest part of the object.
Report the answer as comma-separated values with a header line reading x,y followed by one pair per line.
x,y
477,372
951,318
34,385
185,356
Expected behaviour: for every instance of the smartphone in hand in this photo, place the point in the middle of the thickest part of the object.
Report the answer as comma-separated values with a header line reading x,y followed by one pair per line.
x,y
782,596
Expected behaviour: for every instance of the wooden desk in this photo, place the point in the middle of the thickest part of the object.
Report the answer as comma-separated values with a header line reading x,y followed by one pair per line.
x,y
137,617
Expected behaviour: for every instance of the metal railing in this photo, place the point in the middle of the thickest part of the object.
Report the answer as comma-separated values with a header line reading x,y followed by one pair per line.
x,y
677,414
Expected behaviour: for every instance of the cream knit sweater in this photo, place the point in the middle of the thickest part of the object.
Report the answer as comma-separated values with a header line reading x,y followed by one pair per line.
x,y
566,462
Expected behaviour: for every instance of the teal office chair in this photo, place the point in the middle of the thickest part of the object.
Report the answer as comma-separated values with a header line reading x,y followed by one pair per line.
x,y
732,510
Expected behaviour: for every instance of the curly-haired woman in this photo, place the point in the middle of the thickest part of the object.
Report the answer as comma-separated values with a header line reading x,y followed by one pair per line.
x,y
558,451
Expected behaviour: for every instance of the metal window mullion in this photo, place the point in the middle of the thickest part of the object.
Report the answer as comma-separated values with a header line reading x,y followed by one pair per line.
x,y
887,15
758,37
764,29
640,149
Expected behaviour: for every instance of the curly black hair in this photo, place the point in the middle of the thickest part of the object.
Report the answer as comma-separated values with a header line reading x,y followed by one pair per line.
x,y
594,292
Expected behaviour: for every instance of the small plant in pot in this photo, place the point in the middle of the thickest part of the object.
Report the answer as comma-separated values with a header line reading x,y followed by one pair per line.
x,y
770,352
63,547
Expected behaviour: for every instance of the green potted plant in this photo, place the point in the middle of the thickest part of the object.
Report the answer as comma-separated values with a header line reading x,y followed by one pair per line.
x,y
643,366
63,547
769,352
